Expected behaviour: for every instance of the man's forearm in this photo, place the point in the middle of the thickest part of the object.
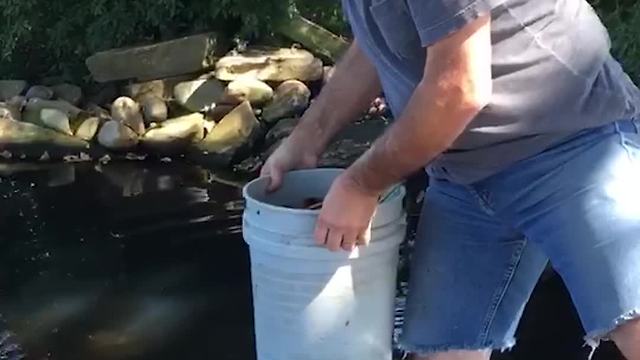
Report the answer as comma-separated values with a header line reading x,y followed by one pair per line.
x,y
456,86
350,91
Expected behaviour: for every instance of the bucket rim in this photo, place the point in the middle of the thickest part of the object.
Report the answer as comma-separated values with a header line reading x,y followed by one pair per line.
x,y
283,209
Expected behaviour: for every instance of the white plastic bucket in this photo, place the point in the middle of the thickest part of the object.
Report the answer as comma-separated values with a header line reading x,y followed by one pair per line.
x,y
309,303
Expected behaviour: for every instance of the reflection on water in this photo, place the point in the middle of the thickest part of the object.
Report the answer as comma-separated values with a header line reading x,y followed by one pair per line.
x,y
123,261
145,261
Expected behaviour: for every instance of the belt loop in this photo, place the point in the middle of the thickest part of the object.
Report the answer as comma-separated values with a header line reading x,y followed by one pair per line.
x,y
636,123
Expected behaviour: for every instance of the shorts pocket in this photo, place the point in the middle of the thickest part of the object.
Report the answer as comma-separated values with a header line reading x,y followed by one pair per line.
x,y
396,27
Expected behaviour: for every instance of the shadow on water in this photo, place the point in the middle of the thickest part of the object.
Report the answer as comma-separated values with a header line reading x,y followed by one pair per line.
x,y
146,261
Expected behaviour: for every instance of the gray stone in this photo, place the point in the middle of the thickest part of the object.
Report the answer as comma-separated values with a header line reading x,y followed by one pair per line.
x,y
115,135
219,111
175,135
312,36
155,61
128,112
68,92
234,135
268,64
88,128
162,88
39,92
11,88
35,105
12,108
101,94
281,130
56,120
291,99
154,109
97,111
199,95
252,90
28,141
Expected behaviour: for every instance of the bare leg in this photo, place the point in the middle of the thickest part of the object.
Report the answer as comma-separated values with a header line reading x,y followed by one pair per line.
x,y
458,355
627,338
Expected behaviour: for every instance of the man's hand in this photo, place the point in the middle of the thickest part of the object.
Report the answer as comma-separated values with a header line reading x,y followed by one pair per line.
x,y
345,219
290,155
341,101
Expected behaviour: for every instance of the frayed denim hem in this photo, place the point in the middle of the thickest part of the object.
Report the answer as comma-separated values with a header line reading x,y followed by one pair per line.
x,y
421,350
594,338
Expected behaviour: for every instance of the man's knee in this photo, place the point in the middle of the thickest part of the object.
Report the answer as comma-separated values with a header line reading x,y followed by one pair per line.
x,y
627,338
457,355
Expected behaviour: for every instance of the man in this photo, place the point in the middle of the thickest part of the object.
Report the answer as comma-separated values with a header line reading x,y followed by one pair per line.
x,y
528,128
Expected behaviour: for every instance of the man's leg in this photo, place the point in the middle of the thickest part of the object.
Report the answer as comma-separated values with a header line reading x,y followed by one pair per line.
x,y
580,202
458,355
470,279
627,338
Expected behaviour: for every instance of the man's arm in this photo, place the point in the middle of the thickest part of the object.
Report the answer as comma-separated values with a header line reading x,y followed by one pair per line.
x,y
455,87
343,99
350,91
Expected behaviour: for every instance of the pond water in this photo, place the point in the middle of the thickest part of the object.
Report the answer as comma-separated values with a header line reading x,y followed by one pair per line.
x,y
146,261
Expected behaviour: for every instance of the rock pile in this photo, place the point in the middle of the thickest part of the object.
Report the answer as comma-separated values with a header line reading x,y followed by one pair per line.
x,y
213,112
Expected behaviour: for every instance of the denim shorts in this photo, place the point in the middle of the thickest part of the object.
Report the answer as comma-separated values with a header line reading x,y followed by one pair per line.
x,y
481,248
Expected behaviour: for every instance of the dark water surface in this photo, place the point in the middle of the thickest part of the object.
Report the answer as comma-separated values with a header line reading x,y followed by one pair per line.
x,y
146,261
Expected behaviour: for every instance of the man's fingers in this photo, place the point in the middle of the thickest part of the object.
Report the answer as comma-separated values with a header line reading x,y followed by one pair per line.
x,y
349,241
275,179
320,234
334,239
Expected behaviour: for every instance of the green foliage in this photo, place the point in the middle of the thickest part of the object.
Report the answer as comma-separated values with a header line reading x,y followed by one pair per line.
x,y
51,37
622,18
40,38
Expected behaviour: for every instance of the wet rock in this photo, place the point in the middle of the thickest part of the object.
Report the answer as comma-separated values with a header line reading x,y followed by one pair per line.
x,y
162,88
29,141
128,112
35,105
312,36
11,88
6,114
281,130
12,108
102,94
56,120
88,128
199,95
268,64
97,111
175,134
68,92
155,61
252,90
219,111
39,92
115,135
291,99
154,109
208,126
250,166
343,153
231,138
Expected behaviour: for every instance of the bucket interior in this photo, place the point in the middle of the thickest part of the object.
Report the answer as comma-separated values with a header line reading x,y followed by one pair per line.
x,y
299,190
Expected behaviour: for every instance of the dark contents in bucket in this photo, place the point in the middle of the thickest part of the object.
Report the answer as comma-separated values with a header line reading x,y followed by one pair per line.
x,y
312,203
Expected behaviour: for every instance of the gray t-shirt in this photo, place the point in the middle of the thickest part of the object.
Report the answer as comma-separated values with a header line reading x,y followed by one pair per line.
x,y
553,74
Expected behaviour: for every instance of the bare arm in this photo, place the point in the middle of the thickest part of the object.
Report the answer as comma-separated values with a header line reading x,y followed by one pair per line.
x,y
350,91
456,85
